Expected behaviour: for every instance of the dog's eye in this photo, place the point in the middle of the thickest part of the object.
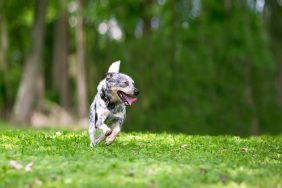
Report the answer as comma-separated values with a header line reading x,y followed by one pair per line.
x,y
126,83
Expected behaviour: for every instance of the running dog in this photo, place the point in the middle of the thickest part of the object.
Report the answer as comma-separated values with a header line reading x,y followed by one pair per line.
x,y
115,92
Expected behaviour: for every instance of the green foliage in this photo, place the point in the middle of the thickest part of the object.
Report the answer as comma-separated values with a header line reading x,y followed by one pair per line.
x,y
195,66
8,87
139,160
194,78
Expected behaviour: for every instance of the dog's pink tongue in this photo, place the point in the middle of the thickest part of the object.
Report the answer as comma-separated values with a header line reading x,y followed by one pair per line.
x,y
130,100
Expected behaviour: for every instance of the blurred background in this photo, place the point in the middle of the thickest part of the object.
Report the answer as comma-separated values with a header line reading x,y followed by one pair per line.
x,y
203,67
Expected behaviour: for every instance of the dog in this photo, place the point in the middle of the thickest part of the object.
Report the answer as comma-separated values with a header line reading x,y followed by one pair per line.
x,y
115,92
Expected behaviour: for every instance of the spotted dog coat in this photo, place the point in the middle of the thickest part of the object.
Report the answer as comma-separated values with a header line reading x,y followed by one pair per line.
x,y
115,92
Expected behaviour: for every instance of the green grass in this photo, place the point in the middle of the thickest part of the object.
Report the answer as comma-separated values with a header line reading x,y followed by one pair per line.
x,y
139,160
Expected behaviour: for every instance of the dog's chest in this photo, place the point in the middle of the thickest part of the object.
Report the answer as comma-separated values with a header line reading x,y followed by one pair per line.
x,y
117,113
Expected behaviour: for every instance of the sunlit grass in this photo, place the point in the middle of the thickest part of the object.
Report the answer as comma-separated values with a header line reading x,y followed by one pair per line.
x,y
139,160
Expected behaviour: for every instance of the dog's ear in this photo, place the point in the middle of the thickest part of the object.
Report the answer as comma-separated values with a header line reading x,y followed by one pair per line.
x,y
114,68
109,75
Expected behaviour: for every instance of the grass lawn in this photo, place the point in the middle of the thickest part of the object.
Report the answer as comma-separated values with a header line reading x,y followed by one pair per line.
x,y
139,160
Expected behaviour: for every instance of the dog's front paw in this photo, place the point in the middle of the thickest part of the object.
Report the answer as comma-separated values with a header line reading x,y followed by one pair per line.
x,y
108,132
110,140
92,145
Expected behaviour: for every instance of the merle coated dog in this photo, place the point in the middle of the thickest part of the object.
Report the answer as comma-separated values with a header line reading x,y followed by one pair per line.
x,y
115,92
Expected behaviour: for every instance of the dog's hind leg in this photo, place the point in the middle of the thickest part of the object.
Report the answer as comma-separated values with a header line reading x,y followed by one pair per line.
x,y
92,122
113,135
100,138
92,131
106,131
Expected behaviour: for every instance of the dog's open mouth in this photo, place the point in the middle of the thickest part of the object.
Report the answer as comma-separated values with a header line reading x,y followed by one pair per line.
x,y
126,99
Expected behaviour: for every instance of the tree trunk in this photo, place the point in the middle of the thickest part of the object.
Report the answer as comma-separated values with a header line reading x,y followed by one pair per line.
x,y
228,5
251,101
274,10
3,43
60,57
146,16
28,89
279,74
80,44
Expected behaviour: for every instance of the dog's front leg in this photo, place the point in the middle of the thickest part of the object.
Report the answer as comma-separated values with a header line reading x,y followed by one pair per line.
x,y
101,125
92,128
106,131
92,131
115,132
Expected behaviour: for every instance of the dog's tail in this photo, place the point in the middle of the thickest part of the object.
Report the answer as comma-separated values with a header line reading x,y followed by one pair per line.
x,y
114,67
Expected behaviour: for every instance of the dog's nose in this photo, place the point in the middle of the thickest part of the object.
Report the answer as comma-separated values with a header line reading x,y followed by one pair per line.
x,y
136,91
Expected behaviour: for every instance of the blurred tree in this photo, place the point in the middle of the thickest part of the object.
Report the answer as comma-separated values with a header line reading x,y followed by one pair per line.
x,y
80,50
228,5
27,91
3,42
60,56
15,25
146,15
273,13
205,66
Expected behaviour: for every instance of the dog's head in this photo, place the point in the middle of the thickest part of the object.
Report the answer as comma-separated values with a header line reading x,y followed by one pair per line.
x,y
121,86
